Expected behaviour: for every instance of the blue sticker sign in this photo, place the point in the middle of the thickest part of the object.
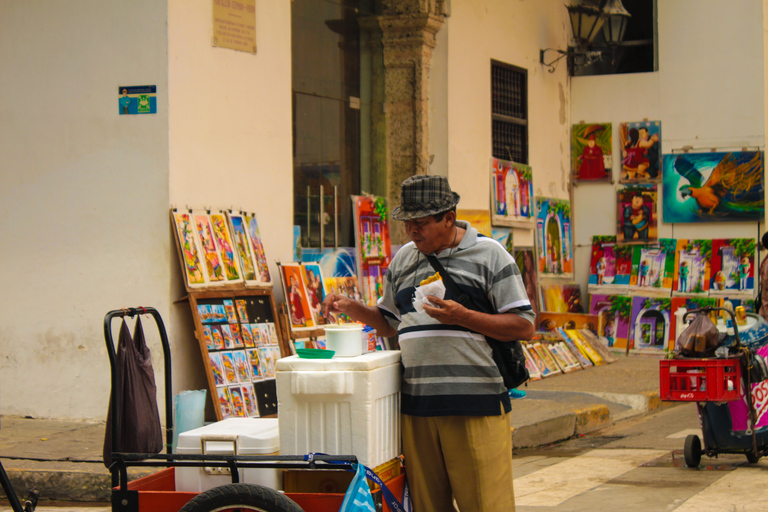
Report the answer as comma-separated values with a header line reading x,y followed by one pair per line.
x,y
137,99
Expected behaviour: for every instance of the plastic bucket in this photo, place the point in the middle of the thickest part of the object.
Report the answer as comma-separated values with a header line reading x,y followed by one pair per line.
x,y
346,340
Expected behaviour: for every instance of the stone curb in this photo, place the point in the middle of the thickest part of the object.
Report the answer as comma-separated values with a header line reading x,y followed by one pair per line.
x,y
562,426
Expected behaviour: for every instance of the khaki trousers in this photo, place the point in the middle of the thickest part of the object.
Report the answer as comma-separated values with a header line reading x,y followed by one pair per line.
x,y
468,458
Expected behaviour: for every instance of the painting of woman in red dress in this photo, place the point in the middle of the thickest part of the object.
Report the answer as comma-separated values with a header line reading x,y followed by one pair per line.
x,y
590,144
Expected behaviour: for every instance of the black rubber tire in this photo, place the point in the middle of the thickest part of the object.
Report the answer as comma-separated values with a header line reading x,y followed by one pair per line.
x,y
752,458
241,497
692,451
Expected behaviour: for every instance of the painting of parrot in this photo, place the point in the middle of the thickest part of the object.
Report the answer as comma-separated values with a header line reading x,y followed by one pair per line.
x,y
707,187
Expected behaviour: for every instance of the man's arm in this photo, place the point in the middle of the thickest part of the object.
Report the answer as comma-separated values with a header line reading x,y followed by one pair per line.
x,y
369,315
503,327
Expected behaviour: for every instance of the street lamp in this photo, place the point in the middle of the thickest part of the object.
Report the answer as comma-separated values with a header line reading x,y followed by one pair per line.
x,y
587,18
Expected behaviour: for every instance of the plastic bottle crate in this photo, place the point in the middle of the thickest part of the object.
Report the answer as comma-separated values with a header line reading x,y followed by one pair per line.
x,y
700,380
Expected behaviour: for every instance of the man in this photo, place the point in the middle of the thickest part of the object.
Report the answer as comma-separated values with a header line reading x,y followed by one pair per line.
x,y
455,409
636,218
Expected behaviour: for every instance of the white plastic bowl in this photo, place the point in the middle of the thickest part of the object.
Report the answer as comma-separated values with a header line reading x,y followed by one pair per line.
x,y
345,339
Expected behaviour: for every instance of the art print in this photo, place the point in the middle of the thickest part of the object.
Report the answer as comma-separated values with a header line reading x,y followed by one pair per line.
x,y
255,363
637,217
257,246
245,330
713,187
372,243
206,313
228,363
653,267
546,358
315,290
217,336
238,404
210,250
226,333
511,193
565,352
553,237
218,312
591,152
225,403
478,219
258,335
299,311
584,347
189,247
229,307
640,151
732,267
616,312
651,324
532,364
237,339
610,265
207,338
561,298
229,257
242,310
560,359
265,357
242,367
244,248
249,398
526,262
570,342
272,329
217,369
692,267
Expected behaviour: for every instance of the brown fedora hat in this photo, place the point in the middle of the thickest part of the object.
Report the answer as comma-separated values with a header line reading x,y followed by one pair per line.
x,y
424,195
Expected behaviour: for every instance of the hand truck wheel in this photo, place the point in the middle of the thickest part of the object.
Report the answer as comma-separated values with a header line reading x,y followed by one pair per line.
x,y
241,497
692,451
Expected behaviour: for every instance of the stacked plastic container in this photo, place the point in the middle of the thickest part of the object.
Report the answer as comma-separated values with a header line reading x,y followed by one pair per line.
x,y
341,406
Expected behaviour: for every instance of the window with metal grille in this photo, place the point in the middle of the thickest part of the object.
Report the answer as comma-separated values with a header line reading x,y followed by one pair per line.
x,y
509,112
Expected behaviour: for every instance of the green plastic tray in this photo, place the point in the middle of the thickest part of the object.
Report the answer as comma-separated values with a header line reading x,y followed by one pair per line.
x,y
314,353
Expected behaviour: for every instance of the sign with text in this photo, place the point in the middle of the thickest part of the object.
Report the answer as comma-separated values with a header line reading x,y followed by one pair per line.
x,y
137,99
234,24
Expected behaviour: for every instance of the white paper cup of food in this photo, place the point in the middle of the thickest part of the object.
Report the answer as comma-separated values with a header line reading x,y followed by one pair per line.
x,y
345,339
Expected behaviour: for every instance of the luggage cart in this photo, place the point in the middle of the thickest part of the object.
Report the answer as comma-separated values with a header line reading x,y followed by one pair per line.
x,y
234,496
722,390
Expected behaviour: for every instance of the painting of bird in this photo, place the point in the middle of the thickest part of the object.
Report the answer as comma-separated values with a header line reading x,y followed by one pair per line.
x,y
706,187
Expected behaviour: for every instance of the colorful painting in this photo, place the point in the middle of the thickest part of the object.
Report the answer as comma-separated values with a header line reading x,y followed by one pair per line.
x,y
610,264
478,219
315,290
561,297
653,267
640,151
651,324
210,250
511,193
692,267
260,257
229,257
712,187
299,312
591,152
733,266
553,237
552,321
526,262
225,403
244,248
616,310
372,243
584,347
189,247
679,306
637,217
584,361
534,366
544,357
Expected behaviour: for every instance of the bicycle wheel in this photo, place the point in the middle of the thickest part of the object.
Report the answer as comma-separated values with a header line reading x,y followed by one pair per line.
x,y
241,497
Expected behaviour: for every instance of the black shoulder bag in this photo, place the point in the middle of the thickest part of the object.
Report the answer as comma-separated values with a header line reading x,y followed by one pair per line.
x,y
508,355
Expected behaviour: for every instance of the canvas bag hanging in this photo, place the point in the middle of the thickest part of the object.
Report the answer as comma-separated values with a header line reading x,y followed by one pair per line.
x,y
138,417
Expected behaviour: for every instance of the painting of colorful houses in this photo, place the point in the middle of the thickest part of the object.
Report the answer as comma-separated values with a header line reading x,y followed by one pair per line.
x,y
553,237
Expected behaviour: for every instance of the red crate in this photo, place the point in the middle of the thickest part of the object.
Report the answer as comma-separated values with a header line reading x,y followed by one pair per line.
x,y
700,380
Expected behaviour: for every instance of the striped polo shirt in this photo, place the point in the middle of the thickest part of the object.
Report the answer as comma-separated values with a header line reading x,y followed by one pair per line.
x,y
448,369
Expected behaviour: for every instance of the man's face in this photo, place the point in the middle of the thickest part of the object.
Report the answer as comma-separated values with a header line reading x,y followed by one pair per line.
x,y
427,233
643,134
637,202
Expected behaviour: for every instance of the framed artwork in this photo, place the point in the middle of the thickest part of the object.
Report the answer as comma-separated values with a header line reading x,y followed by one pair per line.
x,y
511,194
296,297
610,266
591,152
257,246
615,312
224,242
584,347
211,252
563,357
546,359
553,237
692,267
478,219
372,243
192,259
733,266
637,217
313,279
534,366
640,151
651,324
653,266
598,345
584,361
561,297
552,321
526,262
713,187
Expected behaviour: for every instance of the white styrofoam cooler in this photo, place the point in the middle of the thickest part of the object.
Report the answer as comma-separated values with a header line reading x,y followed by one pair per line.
x,y
241,436
341,406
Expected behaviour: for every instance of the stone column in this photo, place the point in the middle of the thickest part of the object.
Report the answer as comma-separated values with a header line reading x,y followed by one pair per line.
x,y
408,37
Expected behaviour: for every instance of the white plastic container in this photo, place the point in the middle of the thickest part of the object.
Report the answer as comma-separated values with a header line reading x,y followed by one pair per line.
x,y
241,436
346,406
346,340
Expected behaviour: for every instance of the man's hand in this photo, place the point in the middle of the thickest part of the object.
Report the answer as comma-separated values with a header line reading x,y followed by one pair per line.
x,y
334,304
446,312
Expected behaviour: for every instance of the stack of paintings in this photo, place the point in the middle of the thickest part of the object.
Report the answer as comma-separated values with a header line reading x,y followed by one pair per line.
x,y
372,241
